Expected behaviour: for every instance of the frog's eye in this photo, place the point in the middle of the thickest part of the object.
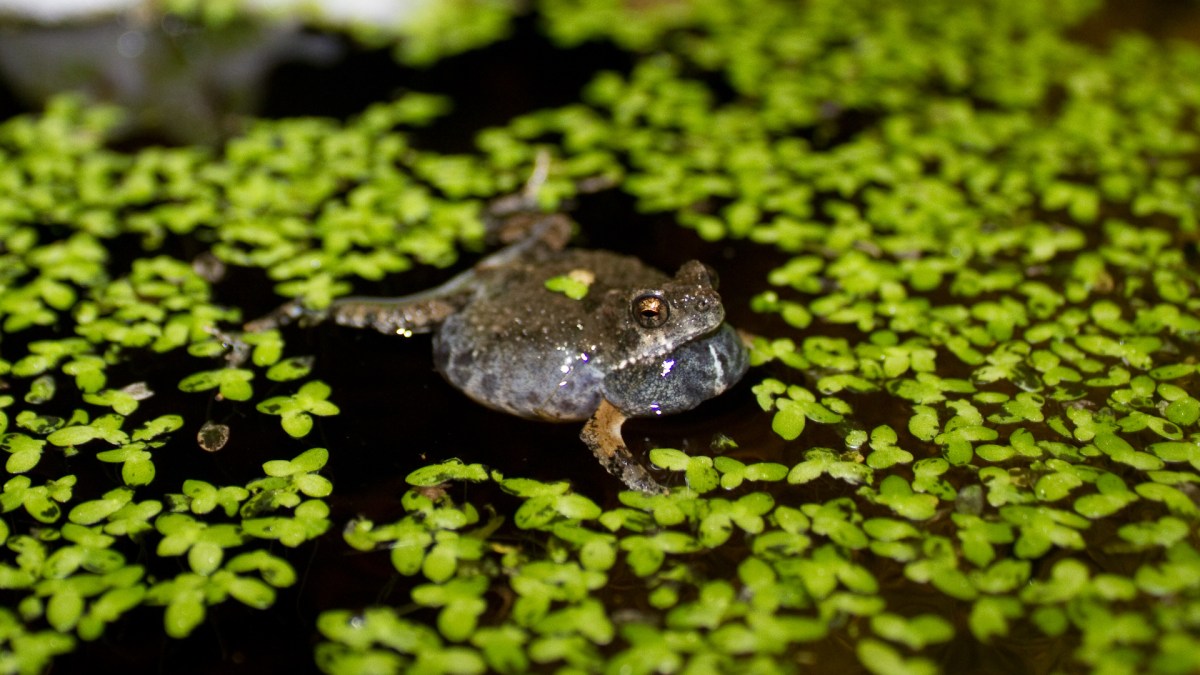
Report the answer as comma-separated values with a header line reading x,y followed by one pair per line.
x,y
650,310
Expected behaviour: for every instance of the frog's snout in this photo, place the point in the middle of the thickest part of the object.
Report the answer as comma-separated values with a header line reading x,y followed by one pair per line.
x,y
705,307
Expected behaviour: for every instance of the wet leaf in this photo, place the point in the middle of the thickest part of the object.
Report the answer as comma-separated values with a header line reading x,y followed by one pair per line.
x,y
212,436
447,471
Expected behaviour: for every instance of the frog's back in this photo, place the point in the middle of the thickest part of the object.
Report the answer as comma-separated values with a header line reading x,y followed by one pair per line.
x,y
529,351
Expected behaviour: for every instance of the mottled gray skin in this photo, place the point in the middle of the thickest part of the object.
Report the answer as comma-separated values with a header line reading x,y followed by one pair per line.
x,y
521,348
638,344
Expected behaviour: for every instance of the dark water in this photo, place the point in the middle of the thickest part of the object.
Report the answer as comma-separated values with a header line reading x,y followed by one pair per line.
x,y
398,414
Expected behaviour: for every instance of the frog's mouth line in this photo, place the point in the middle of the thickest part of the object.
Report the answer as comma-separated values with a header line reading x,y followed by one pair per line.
x,y
665,352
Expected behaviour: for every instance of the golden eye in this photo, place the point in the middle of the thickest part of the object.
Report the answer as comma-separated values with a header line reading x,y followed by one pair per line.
x,y
650,310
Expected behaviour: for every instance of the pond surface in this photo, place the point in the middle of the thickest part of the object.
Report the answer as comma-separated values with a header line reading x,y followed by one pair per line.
x,y
965,239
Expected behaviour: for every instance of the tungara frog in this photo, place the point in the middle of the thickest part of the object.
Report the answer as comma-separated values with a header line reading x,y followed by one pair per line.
x,y
638,343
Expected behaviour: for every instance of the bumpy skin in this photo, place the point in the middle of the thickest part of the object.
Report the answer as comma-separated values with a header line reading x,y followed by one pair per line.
x,y
529,351
638,344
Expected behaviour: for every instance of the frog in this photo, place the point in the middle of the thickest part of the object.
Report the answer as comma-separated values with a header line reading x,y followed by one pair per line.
x,y
636,342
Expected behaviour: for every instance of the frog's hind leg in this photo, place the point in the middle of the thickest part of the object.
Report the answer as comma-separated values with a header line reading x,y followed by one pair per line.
x,y
419,313
422,312
602,434
405,315
530,238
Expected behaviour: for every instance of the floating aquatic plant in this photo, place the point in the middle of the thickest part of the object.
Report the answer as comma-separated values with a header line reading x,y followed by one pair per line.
x,y
976,353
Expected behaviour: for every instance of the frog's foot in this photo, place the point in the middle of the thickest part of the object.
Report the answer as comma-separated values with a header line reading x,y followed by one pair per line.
x,y
285,314
238,350
525,201
527,230
602,434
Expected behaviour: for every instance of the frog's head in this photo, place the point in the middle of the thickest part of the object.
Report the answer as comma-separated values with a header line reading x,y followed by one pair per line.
x,y
660,319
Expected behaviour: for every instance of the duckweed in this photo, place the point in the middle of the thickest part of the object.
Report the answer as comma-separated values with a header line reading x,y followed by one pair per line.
x,y
975,361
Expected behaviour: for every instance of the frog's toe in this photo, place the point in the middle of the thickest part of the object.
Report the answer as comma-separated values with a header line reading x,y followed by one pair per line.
x,y
637,478
287,313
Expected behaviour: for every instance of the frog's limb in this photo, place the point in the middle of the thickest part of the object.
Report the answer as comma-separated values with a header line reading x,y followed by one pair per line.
x,y
533,234
602,434
524,232
417,313
405,315
287,313
526,201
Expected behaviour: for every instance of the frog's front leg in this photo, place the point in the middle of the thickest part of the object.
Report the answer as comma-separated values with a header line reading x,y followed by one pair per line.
x,y
602,434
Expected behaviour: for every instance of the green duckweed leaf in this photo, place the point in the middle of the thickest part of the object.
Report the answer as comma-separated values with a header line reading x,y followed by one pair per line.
x,y
878,657
96,510
1175,500
915,632
164,424
24,452
698,471
292,368
450,470
137,464
309,520
1184,411
231,383
296,411
1112,496
821,461
574,285
39,501
896,493
991,616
